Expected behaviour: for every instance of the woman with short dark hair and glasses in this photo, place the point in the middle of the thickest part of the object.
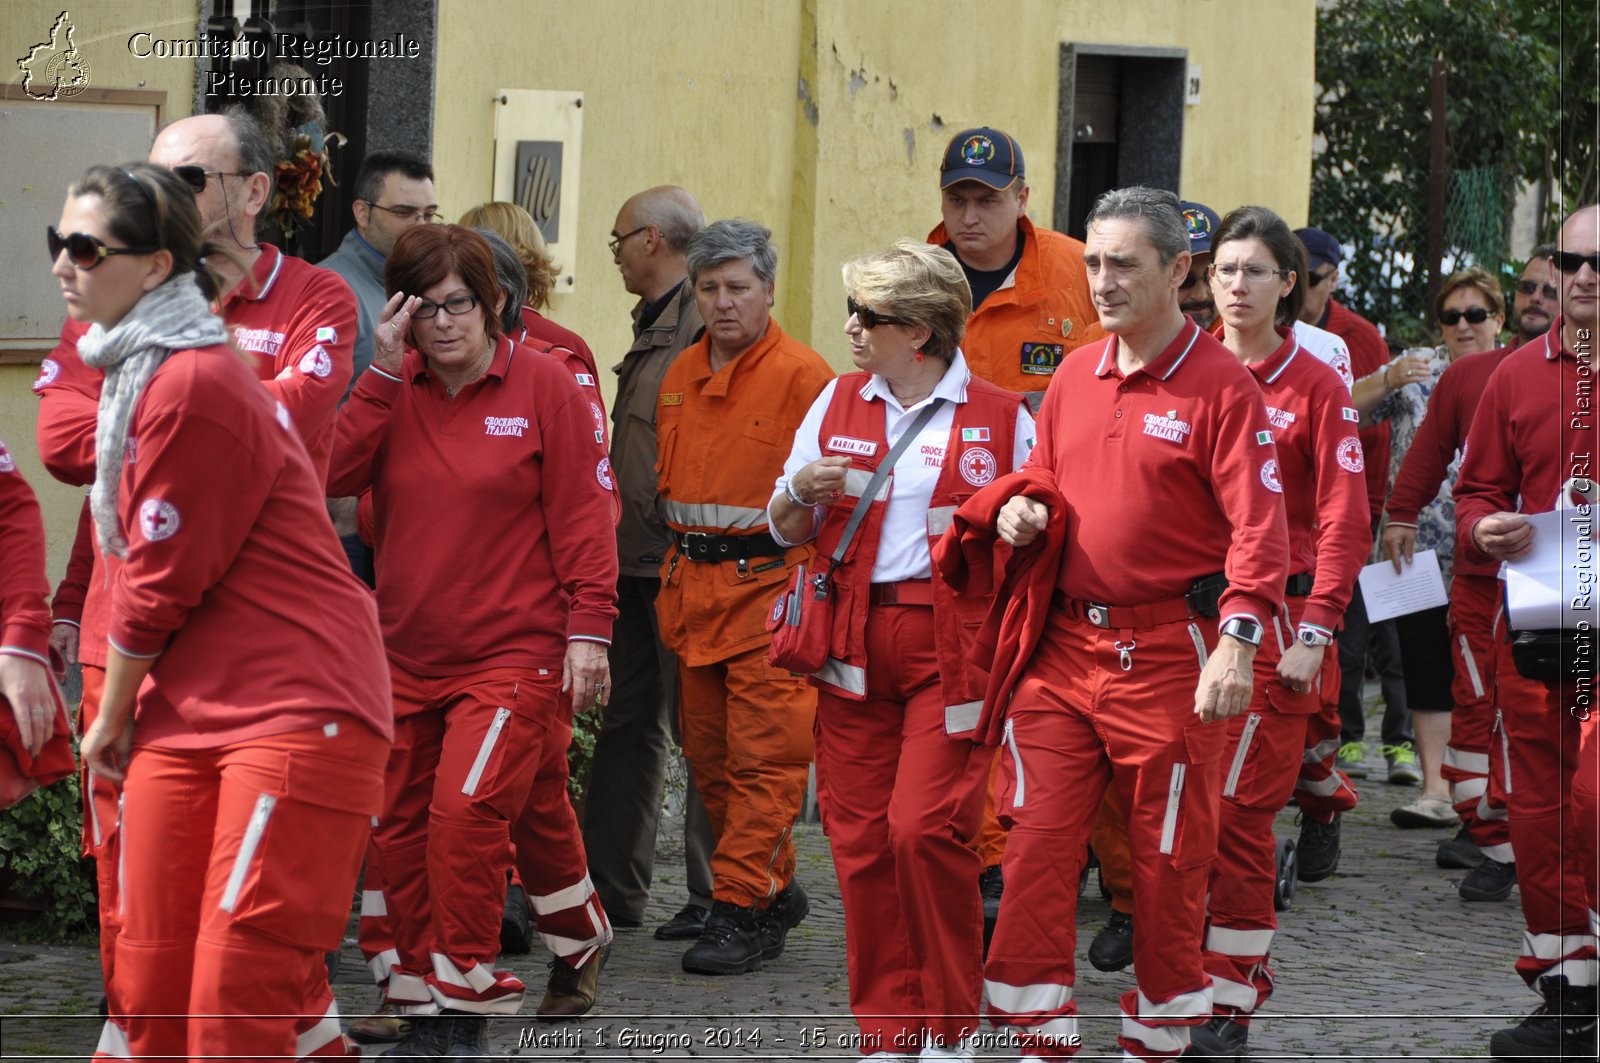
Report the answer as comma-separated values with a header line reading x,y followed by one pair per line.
x,y
488,491
1449,652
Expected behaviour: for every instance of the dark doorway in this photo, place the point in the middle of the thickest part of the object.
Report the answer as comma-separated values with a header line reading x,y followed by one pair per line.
x,y
1121,123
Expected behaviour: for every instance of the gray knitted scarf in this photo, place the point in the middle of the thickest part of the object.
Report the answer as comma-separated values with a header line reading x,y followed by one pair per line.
x,y
173,317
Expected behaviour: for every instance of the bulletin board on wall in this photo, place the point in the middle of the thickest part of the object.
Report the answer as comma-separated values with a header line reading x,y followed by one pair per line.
x,y
538,137
46,145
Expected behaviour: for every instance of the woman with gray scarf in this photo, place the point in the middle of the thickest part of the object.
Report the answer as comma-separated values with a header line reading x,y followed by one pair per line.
x,y
235,729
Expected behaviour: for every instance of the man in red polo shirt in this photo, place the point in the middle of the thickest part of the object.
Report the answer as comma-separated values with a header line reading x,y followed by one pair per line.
x,y
1139,662
1534,433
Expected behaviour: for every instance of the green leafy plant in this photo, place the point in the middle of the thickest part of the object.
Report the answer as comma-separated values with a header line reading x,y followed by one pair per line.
x,y
1370,176
41,846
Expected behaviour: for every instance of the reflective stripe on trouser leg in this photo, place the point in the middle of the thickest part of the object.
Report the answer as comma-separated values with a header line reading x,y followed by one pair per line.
x,y
373,933
1161,1031
1322,790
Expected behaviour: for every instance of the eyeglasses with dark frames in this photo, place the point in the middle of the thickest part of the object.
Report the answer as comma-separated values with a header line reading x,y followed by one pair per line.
x,y
84,251
197,177
455,306
615,243
1529,287
407,213
869,317
1572,262
1475,316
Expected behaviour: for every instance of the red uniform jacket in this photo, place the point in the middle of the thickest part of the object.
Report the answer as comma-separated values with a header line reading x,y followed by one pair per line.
x,y
1020,602
1320,465
568,348
1533,430
233,576
1368,354
1169,475
24,620
486,512
981,438
1441,437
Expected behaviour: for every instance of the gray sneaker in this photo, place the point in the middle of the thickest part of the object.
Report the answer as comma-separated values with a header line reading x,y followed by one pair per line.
x,y
1403,767
1352,760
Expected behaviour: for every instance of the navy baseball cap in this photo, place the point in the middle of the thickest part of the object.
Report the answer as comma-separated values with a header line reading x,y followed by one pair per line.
x,y
981,154
1201,221
1321,249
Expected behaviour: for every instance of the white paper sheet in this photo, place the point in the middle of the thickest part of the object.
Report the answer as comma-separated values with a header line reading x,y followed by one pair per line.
x,y
1554,586
1415,587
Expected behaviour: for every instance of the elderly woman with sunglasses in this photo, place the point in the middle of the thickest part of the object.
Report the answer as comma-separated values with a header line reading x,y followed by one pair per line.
x,y
488,491
1449,652
220,566
899,780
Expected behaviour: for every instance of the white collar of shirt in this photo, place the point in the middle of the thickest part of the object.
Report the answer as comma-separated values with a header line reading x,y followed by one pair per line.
x,y
952,387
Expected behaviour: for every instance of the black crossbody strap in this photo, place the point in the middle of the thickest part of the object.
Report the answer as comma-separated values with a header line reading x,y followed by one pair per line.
x,y
876,483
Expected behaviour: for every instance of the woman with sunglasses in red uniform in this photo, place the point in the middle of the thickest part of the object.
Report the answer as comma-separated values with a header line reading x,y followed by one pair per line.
x,y
235,728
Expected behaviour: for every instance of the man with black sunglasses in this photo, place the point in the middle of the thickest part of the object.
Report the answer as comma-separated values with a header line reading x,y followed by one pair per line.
x,y
1532,436
1535,297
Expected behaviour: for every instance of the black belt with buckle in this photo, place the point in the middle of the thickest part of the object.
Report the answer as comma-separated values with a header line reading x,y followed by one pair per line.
x,y
699,547
1299,585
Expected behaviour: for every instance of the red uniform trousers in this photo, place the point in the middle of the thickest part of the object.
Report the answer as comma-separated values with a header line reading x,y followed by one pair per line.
x,y
228,911
102,816
465,752
746,730
1555,867
899,799
550,857
1260,767
1096,704
1586,800
1477,793
1322,790
373,933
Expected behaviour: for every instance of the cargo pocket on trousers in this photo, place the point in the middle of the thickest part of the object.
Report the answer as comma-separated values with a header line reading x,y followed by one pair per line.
x,y
511,747
297,859
1189,819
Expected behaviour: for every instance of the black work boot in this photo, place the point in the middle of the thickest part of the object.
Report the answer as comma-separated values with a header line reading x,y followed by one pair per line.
x,y
1563,1027
469,1038
428,1038
1112,948
1491,880
730,943
1459,852
1318,849
516,923
787,909
1220,1038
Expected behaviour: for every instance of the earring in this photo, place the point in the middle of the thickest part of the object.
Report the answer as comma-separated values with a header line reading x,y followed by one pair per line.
x,y
917,351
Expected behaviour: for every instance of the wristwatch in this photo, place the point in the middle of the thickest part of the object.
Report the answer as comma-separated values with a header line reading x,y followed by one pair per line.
x,y
1243,628
1311,636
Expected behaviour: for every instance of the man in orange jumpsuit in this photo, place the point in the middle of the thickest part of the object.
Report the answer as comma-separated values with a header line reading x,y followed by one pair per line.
x,y
1030,308
726,416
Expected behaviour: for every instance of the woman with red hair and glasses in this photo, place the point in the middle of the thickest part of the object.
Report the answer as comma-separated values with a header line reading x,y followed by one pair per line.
x,y
488,489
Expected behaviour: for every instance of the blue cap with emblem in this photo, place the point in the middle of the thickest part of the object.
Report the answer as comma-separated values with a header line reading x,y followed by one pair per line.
x,y
1201,221
981,154
1321,249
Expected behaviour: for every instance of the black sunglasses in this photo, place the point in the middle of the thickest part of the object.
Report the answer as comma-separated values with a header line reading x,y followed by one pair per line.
x,y
869,317
1314,279
1529,287
1476,316
197,176
85,251
1572,262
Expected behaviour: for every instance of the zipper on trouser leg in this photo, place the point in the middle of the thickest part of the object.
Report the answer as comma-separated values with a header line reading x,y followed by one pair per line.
x,y
1169,824
772,861
247,850
1251,722
1472,666
1016,760
1505,746
1200,651
122,861
94,812
485,751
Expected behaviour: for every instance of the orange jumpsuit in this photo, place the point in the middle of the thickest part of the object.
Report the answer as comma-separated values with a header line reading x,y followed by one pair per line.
x,y
723,438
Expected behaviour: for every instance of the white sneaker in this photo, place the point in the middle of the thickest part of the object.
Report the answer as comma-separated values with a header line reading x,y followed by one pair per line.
x,y
962,1051
1425,811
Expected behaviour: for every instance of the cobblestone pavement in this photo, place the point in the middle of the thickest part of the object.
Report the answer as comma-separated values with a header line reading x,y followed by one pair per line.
x,y
1381,961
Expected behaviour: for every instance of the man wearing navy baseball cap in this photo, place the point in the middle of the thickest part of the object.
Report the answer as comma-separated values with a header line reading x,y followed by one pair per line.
x,y
1030,295
1194,294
